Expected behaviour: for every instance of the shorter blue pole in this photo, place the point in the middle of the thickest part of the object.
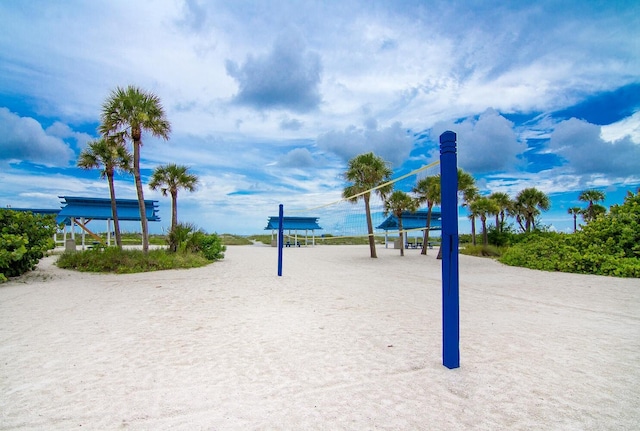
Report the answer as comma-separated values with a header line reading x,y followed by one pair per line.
x,y
280,238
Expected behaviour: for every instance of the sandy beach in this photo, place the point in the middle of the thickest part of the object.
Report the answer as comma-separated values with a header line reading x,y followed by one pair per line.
x,y
339,342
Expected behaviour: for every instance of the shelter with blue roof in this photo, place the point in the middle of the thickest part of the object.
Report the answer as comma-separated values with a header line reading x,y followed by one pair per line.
x,y
411,221
293,224
79,211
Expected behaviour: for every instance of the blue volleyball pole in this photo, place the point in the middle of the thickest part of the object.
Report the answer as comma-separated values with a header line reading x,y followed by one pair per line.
x,y
450,278
280,237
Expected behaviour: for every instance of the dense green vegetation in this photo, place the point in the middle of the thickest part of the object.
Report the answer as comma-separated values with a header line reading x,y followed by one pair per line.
x,y
606,245
125,261
24,240
190,248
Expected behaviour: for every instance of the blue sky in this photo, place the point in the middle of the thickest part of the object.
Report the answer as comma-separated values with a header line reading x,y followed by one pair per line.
x,y
268,100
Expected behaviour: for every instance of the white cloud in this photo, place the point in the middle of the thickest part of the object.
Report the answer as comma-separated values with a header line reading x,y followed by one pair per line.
x,y
627,127
286,78
580,143
24,139
392,143
485,144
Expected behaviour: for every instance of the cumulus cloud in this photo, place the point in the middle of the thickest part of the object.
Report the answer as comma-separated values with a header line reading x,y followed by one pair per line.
x,y
297,158
286,78
24,139
627,127
392,143
485,144
63,131
581,145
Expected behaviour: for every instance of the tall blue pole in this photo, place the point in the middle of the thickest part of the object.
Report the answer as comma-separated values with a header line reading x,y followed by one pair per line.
x,y
450,279
280,237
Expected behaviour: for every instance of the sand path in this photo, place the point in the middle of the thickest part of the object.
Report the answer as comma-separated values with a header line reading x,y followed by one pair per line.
x,y
341,341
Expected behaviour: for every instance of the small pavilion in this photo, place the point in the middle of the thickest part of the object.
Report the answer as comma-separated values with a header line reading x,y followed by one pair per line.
x,y
293,224
411,221
80,211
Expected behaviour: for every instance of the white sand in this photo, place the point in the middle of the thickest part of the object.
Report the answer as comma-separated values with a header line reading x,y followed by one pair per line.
x,y
341,341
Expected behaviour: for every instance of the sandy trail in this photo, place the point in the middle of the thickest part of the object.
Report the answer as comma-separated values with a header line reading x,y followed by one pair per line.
x,y
341,341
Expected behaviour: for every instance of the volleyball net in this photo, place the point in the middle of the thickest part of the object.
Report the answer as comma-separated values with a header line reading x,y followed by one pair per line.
x,y
345,218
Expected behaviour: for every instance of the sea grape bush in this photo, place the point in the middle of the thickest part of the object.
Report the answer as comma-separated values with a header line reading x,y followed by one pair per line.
x,y
185,237
24,239
608,245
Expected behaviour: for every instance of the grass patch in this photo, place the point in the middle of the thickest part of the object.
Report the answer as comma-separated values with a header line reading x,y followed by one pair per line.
x,y
230,239
113,260
481,250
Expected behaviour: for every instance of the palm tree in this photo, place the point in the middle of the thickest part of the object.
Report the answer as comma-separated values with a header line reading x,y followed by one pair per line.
x,y
504,203
483,207
131,111
368,173
396,204
593,209
528,204
110,154
428,190
169,178
467,188
574,211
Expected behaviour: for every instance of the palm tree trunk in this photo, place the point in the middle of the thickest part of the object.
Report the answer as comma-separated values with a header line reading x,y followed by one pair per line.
x,y
425,241
114,210
174,209
575,222
138,181
473,230
372,240
485,237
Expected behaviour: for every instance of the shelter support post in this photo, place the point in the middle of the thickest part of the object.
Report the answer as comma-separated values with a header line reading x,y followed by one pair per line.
x,y
450,271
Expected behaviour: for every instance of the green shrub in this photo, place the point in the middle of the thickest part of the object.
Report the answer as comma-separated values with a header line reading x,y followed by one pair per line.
x,y
210,246
186,238
24,240
546,251
481,250
501,238
609,245
111,259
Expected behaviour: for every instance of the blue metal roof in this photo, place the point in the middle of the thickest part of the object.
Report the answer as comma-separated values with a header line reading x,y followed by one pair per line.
x,y
415,220
100,209
294,223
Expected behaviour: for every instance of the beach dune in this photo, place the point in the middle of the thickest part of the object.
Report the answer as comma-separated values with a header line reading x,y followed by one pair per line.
x,y
340,341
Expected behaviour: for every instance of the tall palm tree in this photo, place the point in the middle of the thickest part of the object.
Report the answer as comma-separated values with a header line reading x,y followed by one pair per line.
x,y
131,111
367,172
574,211
396,204
428,190
593,209
504,203
528,204
110,154
483,207
169,178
